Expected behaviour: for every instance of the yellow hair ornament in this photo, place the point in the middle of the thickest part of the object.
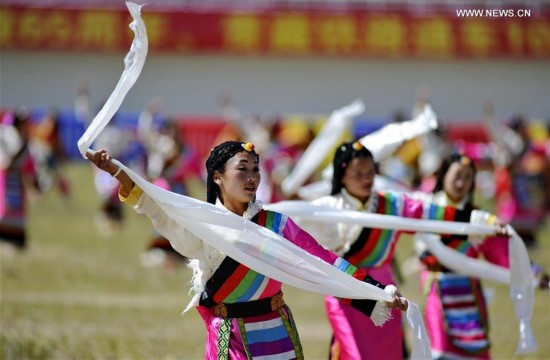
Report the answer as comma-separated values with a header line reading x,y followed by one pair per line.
x,y
464,160
248,146
357,146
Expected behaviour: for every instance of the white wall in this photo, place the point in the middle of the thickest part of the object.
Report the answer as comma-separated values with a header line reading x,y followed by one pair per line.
x,y
191,84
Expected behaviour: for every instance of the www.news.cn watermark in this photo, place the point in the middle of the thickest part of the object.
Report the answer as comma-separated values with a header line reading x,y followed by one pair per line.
x,y
493,13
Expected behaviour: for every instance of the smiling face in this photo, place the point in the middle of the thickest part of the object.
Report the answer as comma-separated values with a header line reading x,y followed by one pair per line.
x,y
239,181
359,177
458,181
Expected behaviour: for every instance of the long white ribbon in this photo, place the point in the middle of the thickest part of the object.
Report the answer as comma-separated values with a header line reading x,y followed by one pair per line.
x,y
388,139
133,63
271,254
306,210
321,146
380,143
519,276
323,187
522,291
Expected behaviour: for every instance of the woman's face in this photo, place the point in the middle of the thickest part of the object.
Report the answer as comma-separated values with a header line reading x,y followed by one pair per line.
x,y
240,180
458,181
359,177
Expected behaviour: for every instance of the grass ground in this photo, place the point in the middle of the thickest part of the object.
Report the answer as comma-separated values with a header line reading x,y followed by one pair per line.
x,y
77,295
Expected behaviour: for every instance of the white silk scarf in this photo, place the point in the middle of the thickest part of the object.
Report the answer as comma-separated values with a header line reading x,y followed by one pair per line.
x,y
519,277
380,143
325,141
133,63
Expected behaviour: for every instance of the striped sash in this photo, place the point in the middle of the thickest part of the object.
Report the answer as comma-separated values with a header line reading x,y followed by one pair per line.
x,y
464,312
253,303
374,247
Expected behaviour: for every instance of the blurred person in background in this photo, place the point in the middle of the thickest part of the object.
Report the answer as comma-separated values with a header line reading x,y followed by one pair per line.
x,y
231,115
46,145
17,177
370,249
416,159
110,216
290,141
402,165
242,309
527,172
521,175
82,105
170,165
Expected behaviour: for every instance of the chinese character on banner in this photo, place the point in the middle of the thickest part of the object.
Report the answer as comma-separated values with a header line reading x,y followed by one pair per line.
x,y
98,30
478,37
336,34
291,34
30,29
158,31
59,30
432,37
242,32
514,36
7,28
538,35
385,35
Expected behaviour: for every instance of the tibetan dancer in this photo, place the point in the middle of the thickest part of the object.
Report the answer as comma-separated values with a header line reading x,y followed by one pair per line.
x,y
369,248
455,309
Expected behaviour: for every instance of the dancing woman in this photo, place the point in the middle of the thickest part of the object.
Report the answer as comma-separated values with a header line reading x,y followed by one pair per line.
x,y
244,311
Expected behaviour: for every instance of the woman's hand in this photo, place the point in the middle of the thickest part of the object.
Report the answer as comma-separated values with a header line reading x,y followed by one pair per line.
x,y
544,281
501,229
103,161
399,302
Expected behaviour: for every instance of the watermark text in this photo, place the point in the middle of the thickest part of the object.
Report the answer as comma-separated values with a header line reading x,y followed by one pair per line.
x,y
493,13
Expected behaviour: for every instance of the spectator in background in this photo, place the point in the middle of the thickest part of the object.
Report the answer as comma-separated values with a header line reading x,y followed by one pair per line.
x,y
527,171
170,165
110,216
232,129
290,141
520,175
82,104
46,145
17,176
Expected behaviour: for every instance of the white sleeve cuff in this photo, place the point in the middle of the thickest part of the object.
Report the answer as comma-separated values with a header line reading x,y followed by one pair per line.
x,y
480,217
381,313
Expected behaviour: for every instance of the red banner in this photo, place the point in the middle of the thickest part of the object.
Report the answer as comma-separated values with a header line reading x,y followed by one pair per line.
x,y
513,33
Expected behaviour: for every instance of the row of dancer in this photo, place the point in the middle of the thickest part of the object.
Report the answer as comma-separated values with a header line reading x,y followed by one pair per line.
x,y
464,160
233,178
373,250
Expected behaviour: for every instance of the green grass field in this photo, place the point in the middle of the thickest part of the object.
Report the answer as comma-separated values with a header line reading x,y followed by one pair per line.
x,y
77,295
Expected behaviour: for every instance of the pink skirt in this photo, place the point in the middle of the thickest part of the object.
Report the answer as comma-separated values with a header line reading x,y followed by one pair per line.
x,y
444,333
355,335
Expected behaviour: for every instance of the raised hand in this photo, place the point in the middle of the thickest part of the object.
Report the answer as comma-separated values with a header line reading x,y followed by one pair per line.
x,y
102,160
